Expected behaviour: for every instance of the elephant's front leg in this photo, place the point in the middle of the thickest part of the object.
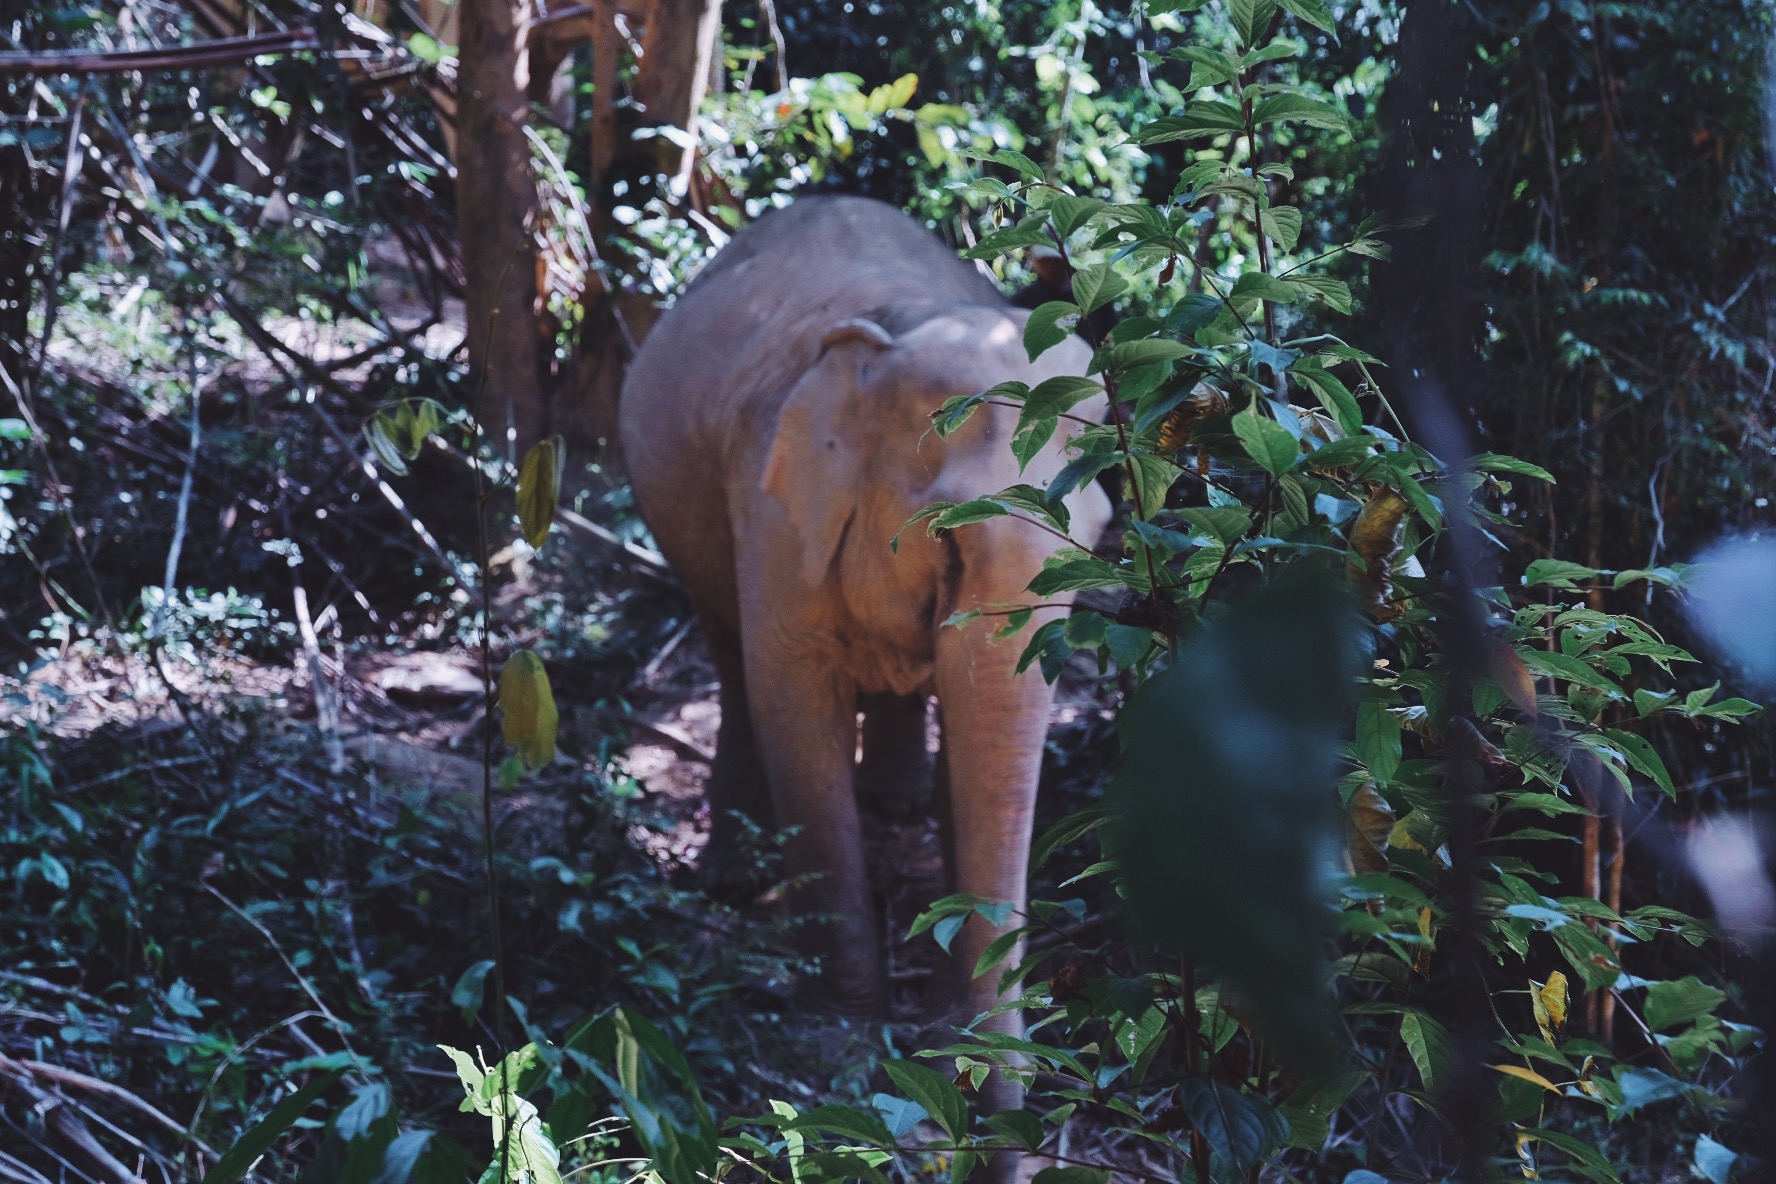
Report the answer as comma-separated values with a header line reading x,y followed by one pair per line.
x,y
804,714
994,725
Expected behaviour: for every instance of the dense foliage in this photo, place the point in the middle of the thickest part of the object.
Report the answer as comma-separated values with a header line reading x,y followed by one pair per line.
x,y
1366,941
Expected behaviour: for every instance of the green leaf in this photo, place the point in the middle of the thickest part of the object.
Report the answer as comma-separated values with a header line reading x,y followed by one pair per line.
x,y
1299,108
1492,462
1712,1161
238,1159
1049,325
1315,13
1283,224
1557,573
466,996
1020,1126
845,1121
1208,67
1202,117
1069,213
1241,1128
935,1092
1579,1149
1378,740
900,1114
1255,285
1309,1109
1096,286
1571,669
425,1157
1245,19
1672,1003
1032,434
1333,395
965,513
1336,294
1130,354
1644,1087
1644,757
1269,442
1431,1046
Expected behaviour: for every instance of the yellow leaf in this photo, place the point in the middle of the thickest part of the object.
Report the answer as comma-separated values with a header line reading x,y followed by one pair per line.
x,y
1513,677
901,90
1368,820
1374,538
528,707
1421,958
1527,1075
1551,998
539,488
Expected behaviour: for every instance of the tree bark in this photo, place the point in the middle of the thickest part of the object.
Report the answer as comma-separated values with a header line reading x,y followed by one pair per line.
x,y
674,76
496,198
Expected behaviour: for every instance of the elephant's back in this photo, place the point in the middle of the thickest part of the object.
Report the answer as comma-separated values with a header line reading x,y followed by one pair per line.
x,y
751,322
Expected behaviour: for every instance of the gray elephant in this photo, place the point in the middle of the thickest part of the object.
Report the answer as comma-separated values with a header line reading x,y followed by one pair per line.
x,y
776,422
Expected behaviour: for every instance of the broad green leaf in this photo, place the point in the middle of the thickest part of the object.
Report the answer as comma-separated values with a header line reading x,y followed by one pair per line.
x,y
1336,294
1315,13
1032,435
1069,213
239,1159
1269,442
935,1092
1713,1161
848,1122
470,989
1097,285
1048,326
1255,285
1309,1109
1571,669
1644,1087
900,1115
1241,1129
1202,117
1334,396
1283,224
1492,462
1557,573
1669,1004
1378,740
1020,1126
1644,757
1208,67
1300,108
1245,18
1579,1149
1432,1048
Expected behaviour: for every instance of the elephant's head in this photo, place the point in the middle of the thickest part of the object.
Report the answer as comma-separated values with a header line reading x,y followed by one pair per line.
x,y
858,423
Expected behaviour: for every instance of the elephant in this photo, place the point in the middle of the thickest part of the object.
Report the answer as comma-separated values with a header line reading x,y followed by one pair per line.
x,y
777,427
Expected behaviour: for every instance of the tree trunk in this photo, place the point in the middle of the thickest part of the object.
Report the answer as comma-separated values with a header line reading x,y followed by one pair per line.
x,y
673,77
496,197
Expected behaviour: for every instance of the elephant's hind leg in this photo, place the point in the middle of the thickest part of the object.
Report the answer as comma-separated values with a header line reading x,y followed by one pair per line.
x,y
739,799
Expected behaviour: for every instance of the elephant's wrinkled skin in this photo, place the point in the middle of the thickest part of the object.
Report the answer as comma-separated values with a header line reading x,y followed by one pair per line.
x,y
776,423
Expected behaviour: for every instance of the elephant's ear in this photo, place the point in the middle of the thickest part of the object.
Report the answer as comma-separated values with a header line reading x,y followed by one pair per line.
x,y
816,459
